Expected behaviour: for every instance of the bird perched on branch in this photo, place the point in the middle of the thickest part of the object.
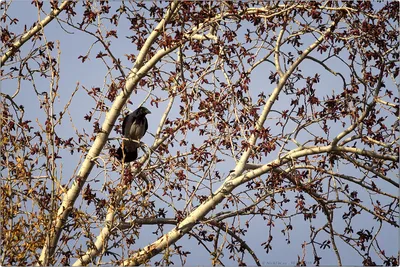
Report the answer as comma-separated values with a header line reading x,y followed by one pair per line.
x,y
134,127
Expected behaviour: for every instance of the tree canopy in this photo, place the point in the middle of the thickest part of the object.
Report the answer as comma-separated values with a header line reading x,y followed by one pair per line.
x,y
273,133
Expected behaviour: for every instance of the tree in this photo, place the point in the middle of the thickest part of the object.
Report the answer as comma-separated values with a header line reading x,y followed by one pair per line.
x,y
274,120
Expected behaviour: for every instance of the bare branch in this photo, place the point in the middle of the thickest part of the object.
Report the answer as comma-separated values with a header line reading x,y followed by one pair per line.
x,y
17,44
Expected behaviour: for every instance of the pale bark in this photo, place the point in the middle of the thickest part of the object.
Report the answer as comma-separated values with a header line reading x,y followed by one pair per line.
x,y
235,179
28,35
139,70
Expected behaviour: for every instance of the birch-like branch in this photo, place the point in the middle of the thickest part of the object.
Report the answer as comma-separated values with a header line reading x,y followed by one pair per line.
x,y
274,95
133,78
231,182
17,44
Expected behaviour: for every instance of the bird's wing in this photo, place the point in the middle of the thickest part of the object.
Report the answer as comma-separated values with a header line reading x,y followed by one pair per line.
x,y
126,124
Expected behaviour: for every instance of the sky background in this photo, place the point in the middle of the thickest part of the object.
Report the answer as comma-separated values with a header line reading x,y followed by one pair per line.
x,y
91,74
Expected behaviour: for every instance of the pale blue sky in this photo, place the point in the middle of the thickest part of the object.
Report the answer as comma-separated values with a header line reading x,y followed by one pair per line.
x,y
92,73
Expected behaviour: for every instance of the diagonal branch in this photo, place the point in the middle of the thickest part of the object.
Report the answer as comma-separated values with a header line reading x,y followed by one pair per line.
x,y
133,78
231,182
274,96
17,44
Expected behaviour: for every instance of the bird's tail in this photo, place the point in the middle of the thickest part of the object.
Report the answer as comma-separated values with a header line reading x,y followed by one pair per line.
x,y
126,156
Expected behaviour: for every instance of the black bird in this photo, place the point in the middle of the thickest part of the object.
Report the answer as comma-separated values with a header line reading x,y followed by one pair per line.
x,y
134,127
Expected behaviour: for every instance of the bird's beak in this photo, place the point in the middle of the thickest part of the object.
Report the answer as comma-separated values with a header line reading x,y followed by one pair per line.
x,y
148,111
